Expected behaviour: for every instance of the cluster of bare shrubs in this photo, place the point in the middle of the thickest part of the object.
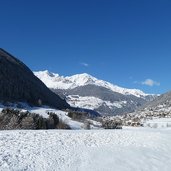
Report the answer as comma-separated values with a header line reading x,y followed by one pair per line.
x,y
15,119
78,116
106,122
132,120
111,123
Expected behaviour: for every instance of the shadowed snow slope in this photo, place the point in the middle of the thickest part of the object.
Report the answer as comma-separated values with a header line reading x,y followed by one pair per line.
x,y
120,150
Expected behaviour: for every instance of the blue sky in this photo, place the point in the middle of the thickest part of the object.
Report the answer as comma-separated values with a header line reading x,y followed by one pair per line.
x,y
126,42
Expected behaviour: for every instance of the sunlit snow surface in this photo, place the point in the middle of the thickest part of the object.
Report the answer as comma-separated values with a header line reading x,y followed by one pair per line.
x,y
144,149
140,149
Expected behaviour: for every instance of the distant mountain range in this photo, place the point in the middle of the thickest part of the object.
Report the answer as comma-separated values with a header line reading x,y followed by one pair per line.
x,y
86,91
78,94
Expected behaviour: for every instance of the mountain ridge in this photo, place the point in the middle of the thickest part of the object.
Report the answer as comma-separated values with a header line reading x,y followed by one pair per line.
x,y
86,91
55,81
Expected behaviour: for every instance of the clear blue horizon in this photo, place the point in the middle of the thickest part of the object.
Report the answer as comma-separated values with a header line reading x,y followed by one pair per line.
x,y
127,43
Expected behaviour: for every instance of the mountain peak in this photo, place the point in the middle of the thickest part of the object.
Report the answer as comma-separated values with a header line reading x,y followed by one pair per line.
x,y
83,75
51,74
82,79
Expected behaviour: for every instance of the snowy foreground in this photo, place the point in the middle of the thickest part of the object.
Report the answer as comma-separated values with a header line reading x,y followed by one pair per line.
x,y
144,149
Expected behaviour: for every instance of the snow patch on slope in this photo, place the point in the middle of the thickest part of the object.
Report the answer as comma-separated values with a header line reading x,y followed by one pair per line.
x,y
61,114
43,111
92,103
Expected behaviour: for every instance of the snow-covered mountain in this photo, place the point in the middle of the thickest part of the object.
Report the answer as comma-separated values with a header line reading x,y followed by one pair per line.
x,y
54,81
86,91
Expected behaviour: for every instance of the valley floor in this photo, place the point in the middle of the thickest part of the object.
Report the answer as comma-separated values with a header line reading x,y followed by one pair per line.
x,y
144,149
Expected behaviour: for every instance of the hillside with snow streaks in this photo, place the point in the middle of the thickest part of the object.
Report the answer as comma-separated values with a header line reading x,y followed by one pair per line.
x,y
91,102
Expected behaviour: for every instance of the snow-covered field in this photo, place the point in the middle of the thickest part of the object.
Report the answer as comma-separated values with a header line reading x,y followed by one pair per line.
x,y
158,123
139,149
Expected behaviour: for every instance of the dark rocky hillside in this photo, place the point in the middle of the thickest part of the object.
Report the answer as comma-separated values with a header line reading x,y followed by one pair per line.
x,y
19,84
164,99
105,94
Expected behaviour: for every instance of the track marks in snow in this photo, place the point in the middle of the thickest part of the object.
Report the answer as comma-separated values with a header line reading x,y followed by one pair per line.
x,y
57,150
